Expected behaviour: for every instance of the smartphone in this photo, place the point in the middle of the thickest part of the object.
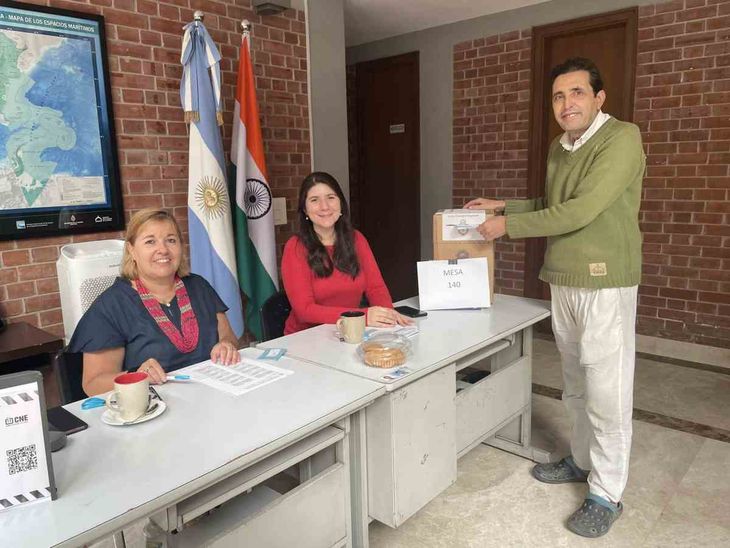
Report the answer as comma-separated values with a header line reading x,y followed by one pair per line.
x,y
411,312
65,421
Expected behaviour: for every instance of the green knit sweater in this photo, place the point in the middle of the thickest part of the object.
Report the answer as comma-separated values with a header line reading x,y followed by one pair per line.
x,y
590,211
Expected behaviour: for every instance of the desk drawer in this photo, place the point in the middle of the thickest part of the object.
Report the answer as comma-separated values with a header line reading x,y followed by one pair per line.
x,y
411,448
485,405
313,514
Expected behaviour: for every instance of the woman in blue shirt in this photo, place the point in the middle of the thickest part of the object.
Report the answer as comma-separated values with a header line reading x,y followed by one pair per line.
x,y
155,318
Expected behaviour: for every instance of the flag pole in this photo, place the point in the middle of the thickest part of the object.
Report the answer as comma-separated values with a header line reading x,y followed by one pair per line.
x,y
210,223
253,215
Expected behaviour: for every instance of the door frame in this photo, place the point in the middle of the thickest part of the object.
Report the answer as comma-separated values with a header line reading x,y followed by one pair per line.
x,y
537,151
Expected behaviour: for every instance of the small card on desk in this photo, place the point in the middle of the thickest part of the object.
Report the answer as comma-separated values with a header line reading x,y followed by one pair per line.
x,y
272,354
397,374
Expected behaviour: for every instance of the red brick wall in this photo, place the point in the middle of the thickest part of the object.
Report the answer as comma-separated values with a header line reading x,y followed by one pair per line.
x,y
682,106
143,43
491,117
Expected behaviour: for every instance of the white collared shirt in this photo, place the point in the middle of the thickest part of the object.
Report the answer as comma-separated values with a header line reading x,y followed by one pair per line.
x,y
600,119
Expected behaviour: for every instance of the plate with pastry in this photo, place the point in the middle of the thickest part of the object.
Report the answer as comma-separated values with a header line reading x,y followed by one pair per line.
x,y
384,350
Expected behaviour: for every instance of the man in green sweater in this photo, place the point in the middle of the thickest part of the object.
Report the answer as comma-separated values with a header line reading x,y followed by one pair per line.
x,y
593,264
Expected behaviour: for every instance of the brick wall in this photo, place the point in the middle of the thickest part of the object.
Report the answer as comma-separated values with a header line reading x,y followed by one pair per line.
x,y
683,109
682,105
143,43
491,117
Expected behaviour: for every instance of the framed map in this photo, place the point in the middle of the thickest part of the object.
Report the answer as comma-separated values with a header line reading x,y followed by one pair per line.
x,y
58,157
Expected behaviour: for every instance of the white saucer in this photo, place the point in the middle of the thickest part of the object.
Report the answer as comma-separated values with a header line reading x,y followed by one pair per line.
x,y
112,418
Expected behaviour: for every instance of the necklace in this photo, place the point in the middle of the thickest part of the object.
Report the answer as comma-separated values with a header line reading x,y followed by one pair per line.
x,y
186,341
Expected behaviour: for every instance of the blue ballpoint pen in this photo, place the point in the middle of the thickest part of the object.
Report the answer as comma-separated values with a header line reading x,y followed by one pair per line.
x,y
178,377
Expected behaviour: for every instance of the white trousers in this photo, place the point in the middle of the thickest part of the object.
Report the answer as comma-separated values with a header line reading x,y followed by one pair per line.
x,y
595,333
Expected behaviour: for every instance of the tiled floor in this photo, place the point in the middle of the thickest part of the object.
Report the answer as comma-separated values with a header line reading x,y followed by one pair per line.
x,y
679,485
681,392
678,495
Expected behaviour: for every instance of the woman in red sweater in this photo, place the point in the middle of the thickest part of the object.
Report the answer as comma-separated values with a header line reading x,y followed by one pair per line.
x,y
328,266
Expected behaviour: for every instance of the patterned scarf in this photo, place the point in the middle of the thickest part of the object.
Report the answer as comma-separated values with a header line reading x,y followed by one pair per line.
x,y
188,340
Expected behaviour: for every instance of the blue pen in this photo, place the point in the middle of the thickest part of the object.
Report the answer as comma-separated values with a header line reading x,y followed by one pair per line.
x,y
178,377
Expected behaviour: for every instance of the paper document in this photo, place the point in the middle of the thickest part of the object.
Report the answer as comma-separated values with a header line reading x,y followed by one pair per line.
x,y
461,224
402,330
237,379
406,330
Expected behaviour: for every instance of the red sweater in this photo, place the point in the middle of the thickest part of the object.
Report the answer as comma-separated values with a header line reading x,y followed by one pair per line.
x,y
321,300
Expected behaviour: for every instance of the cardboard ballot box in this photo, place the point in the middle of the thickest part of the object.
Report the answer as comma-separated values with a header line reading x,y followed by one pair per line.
x,y
455,237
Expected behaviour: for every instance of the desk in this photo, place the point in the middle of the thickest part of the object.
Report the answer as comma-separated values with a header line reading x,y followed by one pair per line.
x,y
22,340
109,477
23,347
416,432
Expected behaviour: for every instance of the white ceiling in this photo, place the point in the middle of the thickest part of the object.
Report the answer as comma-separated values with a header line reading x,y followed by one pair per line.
x,y
370,20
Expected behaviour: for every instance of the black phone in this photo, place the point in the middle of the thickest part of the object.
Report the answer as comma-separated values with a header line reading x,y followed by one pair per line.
x,y
411,312
64,421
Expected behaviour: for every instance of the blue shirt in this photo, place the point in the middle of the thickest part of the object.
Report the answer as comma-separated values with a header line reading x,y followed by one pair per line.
x,y
117,318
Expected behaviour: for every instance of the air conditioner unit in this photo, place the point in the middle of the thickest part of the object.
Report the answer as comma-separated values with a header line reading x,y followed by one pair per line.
x,y
85,270
270,7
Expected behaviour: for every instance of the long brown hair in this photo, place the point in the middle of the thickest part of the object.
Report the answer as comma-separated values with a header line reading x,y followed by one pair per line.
x,y
128,269
344,257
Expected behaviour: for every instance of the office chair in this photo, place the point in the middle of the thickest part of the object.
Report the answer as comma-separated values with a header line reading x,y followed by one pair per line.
x,y
274,313
68,368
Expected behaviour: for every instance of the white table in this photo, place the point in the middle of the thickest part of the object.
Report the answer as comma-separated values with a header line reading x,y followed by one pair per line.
x,y
445,336
416,432
207,444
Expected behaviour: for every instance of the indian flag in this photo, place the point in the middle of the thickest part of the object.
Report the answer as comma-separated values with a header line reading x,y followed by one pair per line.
x,y
253,214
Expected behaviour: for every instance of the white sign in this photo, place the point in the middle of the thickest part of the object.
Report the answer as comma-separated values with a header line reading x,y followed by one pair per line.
x,y
461,224
24,466
445,285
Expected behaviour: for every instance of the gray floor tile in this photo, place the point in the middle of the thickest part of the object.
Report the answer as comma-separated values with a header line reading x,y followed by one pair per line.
x,y
676,391
697,514
496,502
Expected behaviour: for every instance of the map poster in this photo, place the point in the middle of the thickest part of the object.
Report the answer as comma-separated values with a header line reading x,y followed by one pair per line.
x,y
58,158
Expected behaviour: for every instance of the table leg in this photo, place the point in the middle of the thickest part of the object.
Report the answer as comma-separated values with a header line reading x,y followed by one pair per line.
x,y
118,539
359,480
516,436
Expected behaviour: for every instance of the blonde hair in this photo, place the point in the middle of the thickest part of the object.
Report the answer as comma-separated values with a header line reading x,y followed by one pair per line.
x,y
129,267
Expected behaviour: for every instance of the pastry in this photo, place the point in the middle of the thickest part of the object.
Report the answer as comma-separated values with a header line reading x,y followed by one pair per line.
x,y
377,355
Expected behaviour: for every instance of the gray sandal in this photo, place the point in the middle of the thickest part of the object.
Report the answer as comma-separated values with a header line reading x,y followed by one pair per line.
x,y
563,471
593,519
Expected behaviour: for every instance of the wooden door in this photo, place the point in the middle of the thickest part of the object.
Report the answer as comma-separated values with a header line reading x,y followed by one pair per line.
x,y
389,167
609,40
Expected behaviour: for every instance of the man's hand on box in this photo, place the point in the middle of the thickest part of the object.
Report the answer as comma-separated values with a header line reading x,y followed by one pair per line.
x,y
485,203
493,228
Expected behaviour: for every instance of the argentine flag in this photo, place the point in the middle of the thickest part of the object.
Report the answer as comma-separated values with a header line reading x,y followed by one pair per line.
x,y
254,216
212,253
